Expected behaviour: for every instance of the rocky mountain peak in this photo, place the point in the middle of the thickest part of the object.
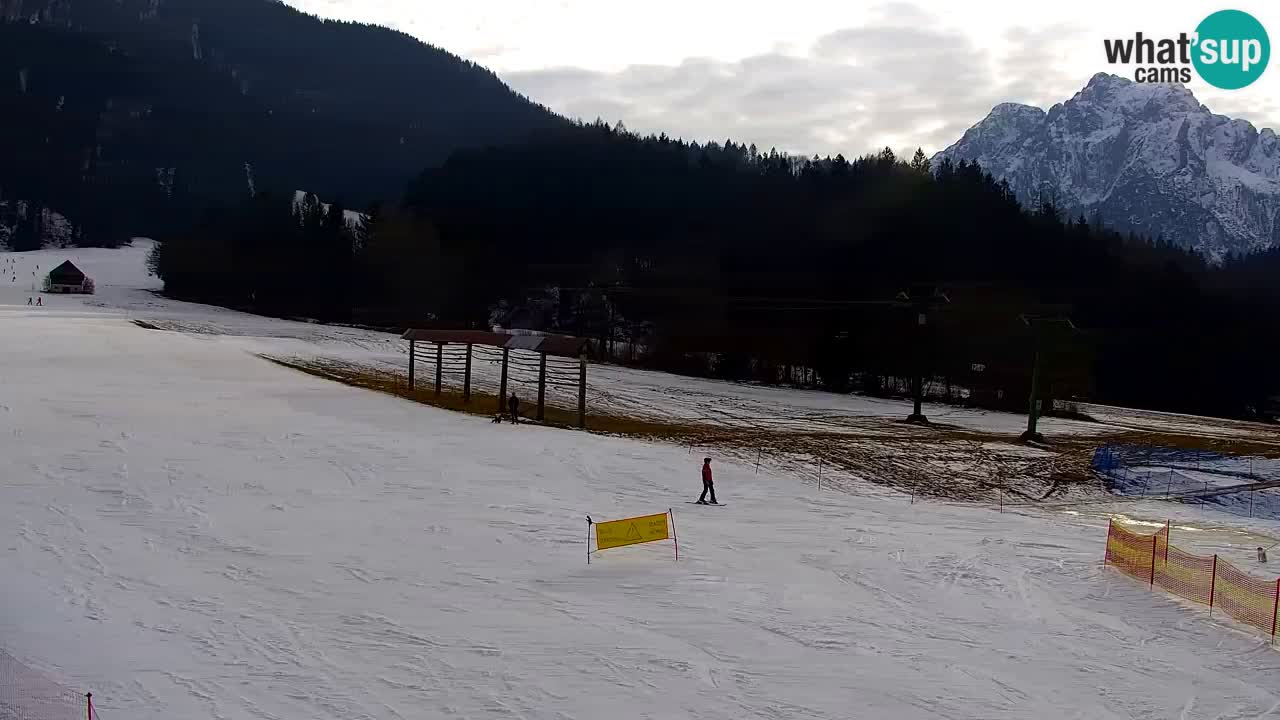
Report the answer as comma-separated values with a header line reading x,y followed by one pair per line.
x,y
1145,157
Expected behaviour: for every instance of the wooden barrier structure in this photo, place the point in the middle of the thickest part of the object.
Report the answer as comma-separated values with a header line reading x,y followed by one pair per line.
x,y
543,344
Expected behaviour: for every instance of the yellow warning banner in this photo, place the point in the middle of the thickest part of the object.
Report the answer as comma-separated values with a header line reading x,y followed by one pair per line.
x,y
630,531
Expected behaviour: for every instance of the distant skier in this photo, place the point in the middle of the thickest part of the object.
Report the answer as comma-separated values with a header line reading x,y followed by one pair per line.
x,y
708,486
40,302
30,302
513,405
1262,555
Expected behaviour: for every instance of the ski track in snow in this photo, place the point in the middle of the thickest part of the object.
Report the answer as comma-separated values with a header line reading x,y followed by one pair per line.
x,y
192,532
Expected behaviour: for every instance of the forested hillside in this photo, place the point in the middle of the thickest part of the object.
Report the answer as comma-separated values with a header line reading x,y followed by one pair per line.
x,y
129,116
723,260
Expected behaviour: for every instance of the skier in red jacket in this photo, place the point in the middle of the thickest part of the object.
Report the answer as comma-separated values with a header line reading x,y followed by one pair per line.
x,y
707,485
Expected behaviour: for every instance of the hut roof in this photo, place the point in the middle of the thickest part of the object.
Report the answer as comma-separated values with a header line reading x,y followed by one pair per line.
x,y
559,345
66,274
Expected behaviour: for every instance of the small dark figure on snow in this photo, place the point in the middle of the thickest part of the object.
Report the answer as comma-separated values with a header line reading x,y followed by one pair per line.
x,y
39,302
513,405
29,302
1262,555
708,486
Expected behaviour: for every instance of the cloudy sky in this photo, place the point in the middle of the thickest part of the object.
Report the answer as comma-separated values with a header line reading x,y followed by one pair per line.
x,y
805,76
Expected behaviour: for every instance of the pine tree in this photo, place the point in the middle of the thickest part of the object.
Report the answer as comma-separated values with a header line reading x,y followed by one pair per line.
x,y
919,162
29,234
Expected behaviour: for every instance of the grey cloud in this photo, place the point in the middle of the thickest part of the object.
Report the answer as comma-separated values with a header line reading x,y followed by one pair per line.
x,y
900,14
1034,61
896,81
1257,108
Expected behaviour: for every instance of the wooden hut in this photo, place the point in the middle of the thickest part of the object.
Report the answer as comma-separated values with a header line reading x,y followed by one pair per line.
x,y
67,278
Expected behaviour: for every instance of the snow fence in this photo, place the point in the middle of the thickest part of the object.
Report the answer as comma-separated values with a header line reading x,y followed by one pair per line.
x,y
1209,581
27,694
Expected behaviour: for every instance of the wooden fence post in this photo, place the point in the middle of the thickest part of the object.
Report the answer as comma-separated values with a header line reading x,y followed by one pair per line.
x,y
582,393
502,384
466,378
542,387
412,356
439,366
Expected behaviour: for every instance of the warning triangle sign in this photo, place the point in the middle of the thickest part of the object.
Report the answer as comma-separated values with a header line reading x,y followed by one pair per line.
x,y
633,533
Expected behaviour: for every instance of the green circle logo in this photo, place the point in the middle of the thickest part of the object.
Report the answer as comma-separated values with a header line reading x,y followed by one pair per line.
x,y
1232,49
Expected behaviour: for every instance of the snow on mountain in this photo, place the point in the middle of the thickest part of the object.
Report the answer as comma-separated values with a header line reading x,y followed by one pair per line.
x,y
353,218
1146,157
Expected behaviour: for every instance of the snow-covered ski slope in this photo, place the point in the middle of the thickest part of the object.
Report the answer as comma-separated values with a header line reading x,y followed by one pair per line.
x,y
189,531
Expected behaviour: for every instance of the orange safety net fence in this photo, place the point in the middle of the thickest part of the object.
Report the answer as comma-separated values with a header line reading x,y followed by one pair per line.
x,y
1134,554
1208,580
1246,598
1186,575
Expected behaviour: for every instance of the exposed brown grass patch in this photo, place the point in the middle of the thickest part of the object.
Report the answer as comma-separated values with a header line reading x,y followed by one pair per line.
x,y
487,404
939,461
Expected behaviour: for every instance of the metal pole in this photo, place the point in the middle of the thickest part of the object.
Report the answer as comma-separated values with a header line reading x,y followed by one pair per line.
x,y
1153,561
917,391
588,539
1106,552
1213,583
1032,416
1275,611
466,378
502,384
582,391
88,698
412,353
674,539
542,387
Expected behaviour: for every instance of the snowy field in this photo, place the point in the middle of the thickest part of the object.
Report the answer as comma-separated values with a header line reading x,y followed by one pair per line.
x,y
125,289
189,531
